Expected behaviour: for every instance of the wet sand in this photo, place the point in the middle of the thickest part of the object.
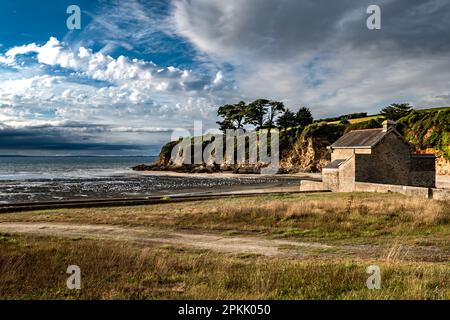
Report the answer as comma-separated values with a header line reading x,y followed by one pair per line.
x,y
155,183
141,185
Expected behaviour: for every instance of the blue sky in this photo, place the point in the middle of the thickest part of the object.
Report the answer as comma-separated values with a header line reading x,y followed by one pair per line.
x,y
139,69
26,22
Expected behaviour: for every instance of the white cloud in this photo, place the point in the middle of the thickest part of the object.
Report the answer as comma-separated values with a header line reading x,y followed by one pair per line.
x,y
98,87
318,54
99,66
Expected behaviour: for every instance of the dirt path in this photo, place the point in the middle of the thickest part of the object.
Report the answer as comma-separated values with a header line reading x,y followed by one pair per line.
x,y
249,245
227,244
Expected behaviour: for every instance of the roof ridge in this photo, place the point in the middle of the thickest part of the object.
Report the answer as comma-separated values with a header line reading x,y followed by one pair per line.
x,y
371,129
364,138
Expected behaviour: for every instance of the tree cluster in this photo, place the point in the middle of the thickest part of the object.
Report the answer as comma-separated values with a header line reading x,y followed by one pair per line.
x,y
396,111
269,114
262,114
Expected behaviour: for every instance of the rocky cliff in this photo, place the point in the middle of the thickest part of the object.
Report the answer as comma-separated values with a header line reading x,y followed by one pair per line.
x,y
304,150
300,151
429,131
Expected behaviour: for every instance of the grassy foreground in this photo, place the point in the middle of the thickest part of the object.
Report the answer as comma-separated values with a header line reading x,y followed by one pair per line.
x,y
376,227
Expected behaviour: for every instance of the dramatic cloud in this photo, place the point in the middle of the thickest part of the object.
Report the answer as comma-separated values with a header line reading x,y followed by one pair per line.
x,y
321,54
96,88
139,68
133,76
71,138
54,83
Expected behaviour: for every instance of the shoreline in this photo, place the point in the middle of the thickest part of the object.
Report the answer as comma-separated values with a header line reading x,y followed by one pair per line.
x,y
442,181
158,183
304,176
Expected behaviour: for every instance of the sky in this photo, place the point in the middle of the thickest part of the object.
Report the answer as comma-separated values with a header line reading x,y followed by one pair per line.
x,y
137,70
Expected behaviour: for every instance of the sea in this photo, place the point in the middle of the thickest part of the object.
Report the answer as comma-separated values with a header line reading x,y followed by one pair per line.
x,y
37,179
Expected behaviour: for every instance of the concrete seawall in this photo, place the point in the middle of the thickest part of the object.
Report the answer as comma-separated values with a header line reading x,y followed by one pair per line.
x,y
384,188
420,192
308,185
440,194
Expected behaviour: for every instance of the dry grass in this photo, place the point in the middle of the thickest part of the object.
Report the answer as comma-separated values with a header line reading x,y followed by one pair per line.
x,y
328,217
35,268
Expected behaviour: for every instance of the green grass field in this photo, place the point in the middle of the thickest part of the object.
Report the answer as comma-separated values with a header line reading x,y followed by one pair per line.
x,y
364,119
359,120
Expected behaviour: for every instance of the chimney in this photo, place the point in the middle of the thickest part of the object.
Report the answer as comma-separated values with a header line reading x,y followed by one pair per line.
x,y
388,124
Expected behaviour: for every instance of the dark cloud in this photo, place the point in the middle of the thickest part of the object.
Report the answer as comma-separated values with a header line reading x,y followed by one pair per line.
x,y
408,27
68,139
321,53
283,29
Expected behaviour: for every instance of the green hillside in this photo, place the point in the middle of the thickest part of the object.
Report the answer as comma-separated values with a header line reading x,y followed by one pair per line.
x,y
428,129
304,149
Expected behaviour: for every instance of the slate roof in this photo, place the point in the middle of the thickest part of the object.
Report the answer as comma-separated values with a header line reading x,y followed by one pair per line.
x,y
424,155
360,139
335,164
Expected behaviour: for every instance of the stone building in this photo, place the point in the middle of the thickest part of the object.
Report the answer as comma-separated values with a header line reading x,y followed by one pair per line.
x,y
380,156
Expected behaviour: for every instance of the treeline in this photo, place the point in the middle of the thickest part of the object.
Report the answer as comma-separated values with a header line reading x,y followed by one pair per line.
x,y
394,111
346,116
262,114
269,114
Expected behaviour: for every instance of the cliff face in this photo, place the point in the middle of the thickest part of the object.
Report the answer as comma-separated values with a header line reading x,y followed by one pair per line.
x,y
308,151
442,164
429,131
306,155
305,150
300,151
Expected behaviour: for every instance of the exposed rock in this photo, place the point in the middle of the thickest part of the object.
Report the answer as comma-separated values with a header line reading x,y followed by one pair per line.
x,y
442,164
305,150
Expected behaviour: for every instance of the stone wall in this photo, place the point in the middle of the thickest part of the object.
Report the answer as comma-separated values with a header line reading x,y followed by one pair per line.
x,y
423,171
385,188
422,179
330,178
338,154
308,185
440,194
418,192
342,178
347,175
389,162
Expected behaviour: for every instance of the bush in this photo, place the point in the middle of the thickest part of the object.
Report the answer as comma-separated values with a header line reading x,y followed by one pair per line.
x,y
428,129
371,124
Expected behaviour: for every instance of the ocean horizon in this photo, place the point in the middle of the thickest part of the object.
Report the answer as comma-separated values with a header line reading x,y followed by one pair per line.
x,y
41,168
